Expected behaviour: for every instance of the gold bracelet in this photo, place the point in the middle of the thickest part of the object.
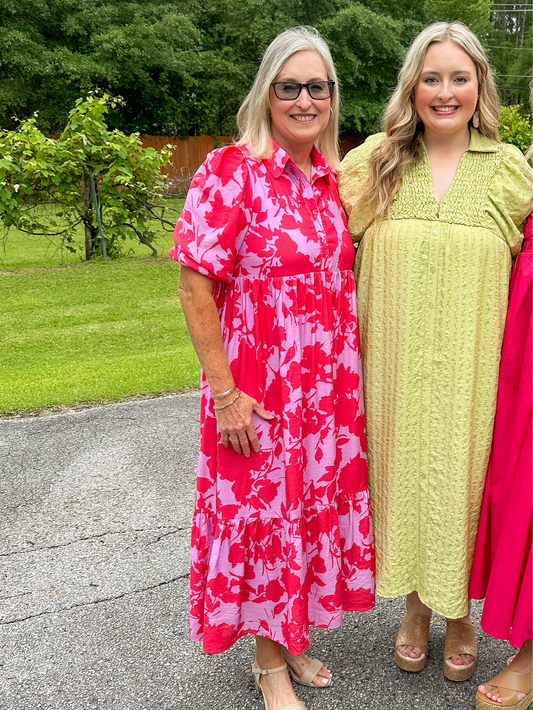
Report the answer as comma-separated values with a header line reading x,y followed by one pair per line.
x,y
218,409
224,394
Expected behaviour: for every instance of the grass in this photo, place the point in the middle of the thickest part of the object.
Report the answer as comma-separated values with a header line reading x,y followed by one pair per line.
x,y
22,251
84,332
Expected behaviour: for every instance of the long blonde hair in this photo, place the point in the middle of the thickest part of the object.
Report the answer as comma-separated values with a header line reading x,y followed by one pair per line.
x,y
401,148
253,118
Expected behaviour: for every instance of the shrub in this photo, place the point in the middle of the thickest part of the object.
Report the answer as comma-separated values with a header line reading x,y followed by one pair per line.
x,y
515,127
36,169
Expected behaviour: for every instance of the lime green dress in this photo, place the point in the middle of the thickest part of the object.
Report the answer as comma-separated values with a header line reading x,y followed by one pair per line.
x,y
432,286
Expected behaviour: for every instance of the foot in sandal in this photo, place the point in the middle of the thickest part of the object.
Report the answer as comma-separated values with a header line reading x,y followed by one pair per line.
x,y
275,686
307,671
460,649
521,662
271,676
415,628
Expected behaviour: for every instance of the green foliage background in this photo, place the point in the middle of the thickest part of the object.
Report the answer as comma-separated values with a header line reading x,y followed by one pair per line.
x,y
515,127
109,331
184,66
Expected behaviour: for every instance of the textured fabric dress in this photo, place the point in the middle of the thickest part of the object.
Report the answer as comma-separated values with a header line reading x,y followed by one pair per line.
x,y
502,571
281,540
432,289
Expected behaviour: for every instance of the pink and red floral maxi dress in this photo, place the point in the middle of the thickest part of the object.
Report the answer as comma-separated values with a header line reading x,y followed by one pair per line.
x,y
281,540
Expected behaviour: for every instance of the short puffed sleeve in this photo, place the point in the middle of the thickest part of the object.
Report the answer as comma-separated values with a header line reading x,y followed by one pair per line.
x,y
354,169
214,219
510,197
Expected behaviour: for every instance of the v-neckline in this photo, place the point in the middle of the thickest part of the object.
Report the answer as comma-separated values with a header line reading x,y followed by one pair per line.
x,y
452,184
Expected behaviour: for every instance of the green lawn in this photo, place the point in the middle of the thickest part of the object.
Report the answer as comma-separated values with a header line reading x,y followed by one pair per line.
x,y
89,331
21,251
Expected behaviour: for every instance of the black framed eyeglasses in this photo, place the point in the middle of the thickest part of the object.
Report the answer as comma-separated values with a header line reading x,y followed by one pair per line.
x,y
290,90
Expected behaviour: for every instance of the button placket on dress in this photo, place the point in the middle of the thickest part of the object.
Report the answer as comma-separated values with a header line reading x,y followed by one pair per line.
x,y
311,196
434,241
430,252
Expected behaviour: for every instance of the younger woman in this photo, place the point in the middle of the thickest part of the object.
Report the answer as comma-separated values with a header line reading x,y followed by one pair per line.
x,y
437,205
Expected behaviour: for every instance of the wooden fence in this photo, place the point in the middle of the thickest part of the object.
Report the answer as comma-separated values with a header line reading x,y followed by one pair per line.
x,y
190,153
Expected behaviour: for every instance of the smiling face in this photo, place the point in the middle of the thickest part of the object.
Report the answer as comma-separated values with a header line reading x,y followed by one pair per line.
x,y
447,90
297,124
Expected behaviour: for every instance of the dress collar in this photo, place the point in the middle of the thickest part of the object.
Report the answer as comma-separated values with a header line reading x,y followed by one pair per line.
x,y
277,163
480,143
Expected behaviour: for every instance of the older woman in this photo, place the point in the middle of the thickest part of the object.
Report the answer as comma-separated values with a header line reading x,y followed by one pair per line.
x,y
438,205
282,537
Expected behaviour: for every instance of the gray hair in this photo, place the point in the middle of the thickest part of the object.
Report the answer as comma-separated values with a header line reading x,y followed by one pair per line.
x,y
253,118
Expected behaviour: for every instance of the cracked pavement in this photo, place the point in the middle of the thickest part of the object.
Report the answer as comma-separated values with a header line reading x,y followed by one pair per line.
x,y
95,510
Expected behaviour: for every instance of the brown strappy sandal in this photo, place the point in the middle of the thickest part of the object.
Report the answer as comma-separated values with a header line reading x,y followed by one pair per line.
x,y
509,684
310,673
414,631
258,672
460,638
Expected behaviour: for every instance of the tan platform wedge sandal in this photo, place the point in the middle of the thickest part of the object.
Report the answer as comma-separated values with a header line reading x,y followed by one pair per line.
x,y
460,638
414,631
509,684
310,673
258,672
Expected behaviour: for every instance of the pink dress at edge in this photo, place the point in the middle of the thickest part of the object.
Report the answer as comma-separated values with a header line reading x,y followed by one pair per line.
x,y
502,569
282,540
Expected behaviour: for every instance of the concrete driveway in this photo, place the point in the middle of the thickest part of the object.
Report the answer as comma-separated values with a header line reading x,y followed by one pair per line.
x,y
94,530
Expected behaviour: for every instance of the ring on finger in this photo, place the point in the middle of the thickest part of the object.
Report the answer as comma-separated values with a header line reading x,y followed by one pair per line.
x,y
234,441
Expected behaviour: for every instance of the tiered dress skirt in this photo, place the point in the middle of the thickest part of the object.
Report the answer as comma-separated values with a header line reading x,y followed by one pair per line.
x,y
283,540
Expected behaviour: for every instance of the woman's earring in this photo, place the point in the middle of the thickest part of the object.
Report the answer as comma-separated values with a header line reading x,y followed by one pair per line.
x,y
331,110
475,119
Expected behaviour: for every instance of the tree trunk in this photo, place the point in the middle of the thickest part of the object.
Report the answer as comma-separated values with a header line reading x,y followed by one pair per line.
x,y
87,219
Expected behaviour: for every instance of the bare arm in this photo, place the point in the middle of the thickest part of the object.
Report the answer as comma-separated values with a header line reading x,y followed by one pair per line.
x,y
234,422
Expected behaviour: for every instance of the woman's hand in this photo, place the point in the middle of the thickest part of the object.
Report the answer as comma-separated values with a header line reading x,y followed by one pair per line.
x,y
236,425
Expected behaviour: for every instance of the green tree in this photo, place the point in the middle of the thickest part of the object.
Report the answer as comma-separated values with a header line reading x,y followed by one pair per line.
x,y
476,14
54,52
184,66
37,171
511,50
368,48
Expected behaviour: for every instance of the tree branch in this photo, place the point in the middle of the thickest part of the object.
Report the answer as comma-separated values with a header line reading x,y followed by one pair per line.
x,y
49,234
141,238
151,209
